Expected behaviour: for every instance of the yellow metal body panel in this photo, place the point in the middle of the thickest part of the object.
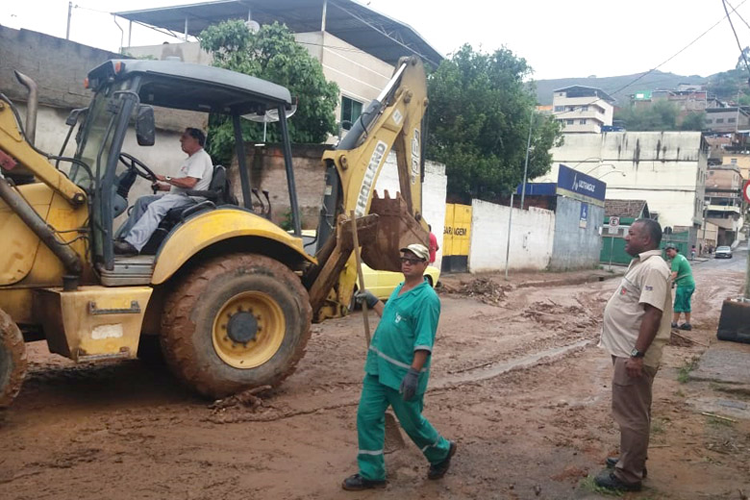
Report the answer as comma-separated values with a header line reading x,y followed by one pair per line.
x,y
25,262
457,232
214,226
32,162
93,321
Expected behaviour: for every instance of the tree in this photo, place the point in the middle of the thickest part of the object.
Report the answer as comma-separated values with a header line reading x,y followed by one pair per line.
x,y
662,115
479,115
694,121
271,54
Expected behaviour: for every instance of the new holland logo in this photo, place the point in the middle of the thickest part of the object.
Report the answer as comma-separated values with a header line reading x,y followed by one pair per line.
x,y
368,181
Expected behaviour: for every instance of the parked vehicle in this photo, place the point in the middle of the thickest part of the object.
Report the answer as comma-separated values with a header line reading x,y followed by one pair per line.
x,y
723,253
382,283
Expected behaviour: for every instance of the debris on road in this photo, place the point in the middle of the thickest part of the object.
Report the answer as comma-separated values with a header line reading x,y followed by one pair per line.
x,y
246,398
484,289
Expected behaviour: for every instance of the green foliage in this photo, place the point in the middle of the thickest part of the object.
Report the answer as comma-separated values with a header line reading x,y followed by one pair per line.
x,y
694,121
589,484
271,54
480,110
730,85
684,374
660,116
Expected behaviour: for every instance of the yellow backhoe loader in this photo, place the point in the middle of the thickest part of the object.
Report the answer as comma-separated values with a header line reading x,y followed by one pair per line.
x,y
229,294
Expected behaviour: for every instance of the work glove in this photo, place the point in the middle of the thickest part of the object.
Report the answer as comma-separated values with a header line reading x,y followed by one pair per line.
x,y
366,296
409,384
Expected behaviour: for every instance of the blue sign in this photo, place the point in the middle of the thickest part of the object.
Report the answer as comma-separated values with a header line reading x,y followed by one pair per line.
x,y
580,186
584,216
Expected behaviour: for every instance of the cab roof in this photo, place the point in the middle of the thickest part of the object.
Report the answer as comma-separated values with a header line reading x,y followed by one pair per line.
x,y
194,87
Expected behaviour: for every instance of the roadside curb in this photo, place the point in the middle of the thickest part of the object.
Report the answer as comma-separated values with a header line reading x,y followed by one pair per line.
x,y
591,278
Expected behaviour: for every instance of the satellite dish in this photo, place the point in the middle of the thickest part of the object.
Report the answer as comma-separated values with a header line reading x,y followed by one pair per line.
x,y
253,26
270,116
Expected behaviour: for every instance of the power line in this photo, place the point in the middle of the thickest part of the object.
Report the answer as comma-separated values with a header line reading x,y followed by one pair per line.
x,y
739,45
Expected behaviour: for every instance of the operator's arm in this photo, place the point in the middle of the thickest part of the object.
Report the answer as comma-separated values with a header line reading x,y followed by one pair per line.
x,y
181,182
674,275
378,308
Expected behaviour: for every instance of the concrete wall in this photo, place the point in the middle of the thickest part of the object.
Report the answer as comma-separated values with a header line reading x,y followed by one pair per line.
x,y
531,238
667,169
576,247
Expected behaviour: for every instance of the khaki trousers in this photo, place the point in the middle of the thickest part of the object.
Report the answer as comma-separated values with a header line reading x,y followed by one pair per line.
x,y
631,408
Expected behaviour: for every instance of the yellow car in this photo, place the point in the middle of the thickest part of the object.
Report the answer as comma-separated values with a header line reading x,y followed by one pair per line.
x,y
381,283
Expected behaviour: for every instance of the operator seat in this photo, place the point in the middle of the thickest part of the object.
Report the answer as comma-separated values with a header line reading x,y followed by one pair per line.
x,y
219,193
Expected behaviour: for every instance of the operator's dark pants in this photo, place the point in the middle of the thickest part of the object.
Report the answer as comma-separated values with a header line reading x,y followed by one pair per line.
x,y
631,408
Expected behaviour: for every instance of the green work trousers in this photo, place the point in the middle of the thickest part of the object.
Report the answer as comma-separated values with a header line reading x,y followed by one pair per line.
x,y
375,400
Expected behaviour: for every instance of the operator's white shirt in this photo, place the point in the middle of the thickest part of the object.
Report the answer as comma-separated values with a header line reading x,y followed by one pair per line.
x,y
199,166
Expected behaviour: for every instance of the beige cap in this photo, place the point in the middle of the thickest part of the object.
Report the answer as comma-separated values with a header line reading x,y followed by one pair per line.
x,y
418,249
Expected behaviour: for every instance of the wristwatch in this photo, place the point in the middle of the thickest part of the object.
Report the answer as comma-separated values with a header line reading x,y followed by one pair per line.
x,y
635,353
167,178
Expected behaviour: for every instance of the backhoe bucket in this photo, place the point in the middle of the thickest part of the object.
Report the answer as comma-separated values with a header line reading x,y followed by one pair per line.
x,y
397,228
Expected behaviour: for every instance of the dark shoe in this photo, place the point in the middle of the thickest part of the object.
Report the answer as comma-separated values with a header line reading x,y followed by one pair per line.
x,y
674,325
686,326
124,248
608,480
612,461
358,483
437,471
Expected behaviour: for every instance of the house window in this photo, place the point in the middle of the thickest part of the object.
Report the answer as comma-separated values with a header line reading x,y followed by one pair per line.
x,y
584,108
559,109
731,120
570,122
709,120
582,122
733,161
720,120
350,111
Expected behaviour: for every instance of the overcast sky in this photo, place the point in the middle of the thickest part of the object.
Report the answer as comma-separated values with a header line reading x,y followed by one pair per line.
x,y
574,38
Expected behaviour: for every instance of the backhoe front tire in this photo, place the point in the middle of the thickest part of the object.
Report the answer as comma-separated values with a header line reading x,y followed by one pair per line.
x,y
12,360
235,322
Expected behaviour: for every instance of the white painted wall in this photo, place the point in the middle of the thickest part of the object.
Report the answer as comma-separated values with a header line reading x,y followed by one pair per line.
x,y
433,195
531,239
667,169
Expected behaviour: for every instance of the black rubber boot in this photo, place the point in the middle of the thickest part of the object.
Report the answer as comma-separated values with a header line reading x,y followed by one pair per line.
x,y
437,471
358,483
612,461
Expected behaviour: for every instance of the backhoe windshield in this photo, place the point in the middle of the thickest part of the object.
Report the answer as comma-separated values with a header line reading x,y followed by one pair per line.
x,y
96,139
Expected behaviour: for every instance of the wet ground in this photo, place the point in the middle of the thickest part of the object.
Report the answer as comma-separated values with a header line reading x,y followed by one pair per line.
x,y
518,382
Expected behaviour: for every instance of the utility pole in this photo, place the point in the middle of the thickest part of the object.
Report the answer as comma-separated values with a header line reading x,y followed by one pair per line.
x,y
70,13
507,248
526,163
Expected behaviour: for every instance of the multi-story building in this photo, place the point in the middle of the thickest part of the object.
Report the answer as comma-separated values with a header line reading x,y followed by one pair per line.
x,y
357,47
666,169
725,120
724,202
582,109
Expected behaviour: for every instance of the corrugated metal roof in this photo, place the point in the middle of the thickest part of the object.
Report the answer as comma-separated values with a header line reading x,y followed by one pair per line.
x,y
368,30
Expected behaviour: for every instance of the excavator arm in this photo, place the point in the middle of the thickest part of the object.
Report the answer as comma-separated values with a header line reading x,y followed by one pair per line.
x,y
393,121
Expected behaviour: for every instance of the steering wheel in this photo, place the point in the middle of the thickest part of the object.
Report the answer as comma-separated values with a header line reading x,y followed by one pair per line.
x,y
137,166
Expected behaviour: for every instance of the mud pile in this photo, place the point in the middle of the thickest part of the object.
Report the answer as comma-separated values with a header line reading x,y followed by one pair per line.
x,y
483,289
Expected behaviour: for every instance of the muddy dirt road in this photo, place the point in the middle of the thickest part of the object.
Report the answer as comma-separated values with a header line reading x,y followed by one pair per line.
x,y
519,385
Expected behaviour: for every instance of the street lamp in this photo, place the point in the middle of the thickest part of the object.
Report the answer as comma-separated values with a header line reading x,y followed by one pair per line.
x,y
612,172
585,160
601,165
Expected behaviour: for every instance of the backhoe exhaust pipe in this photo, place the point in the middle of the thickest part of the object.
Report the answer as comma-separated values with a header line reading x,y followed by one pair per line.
x,y
32,105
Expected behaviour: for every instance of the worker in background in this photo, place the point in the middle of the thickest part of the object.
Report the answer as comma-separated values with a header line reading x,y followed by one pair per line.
x,y
634,331
396,373
434,247
682,276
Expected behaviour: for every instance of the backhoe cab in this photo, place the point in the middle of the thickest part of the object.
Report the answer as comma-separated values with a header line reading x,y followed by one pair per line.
x,y
228,294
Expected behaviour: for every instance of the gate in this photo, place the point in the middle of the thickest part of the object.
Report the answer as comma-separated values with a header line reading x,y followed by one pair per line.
x,y
456,238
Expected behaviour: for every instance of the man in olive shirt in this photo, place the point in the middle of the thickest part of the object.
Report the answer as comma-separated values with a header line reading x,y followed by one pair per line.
x,y
634,332
396,373
682,276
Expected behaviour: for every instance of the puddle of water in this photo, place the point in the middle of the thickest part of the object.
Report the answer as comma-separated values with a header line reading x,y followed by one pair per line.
x,y
494,370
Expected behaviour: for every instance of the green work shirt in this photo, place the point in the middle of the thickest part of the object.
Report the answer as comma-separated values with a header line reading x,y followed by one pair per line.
x,y
408,324
681,266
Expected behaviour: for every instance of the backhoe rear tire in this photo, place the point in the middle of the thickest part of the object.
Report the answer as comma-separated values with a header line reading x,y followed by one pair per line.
x,y
235,322
12,360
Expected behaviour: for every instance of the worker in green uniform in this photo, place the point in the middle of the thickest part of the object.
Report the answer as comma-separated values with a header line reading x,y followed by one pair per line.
x,y
682,276
396,373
